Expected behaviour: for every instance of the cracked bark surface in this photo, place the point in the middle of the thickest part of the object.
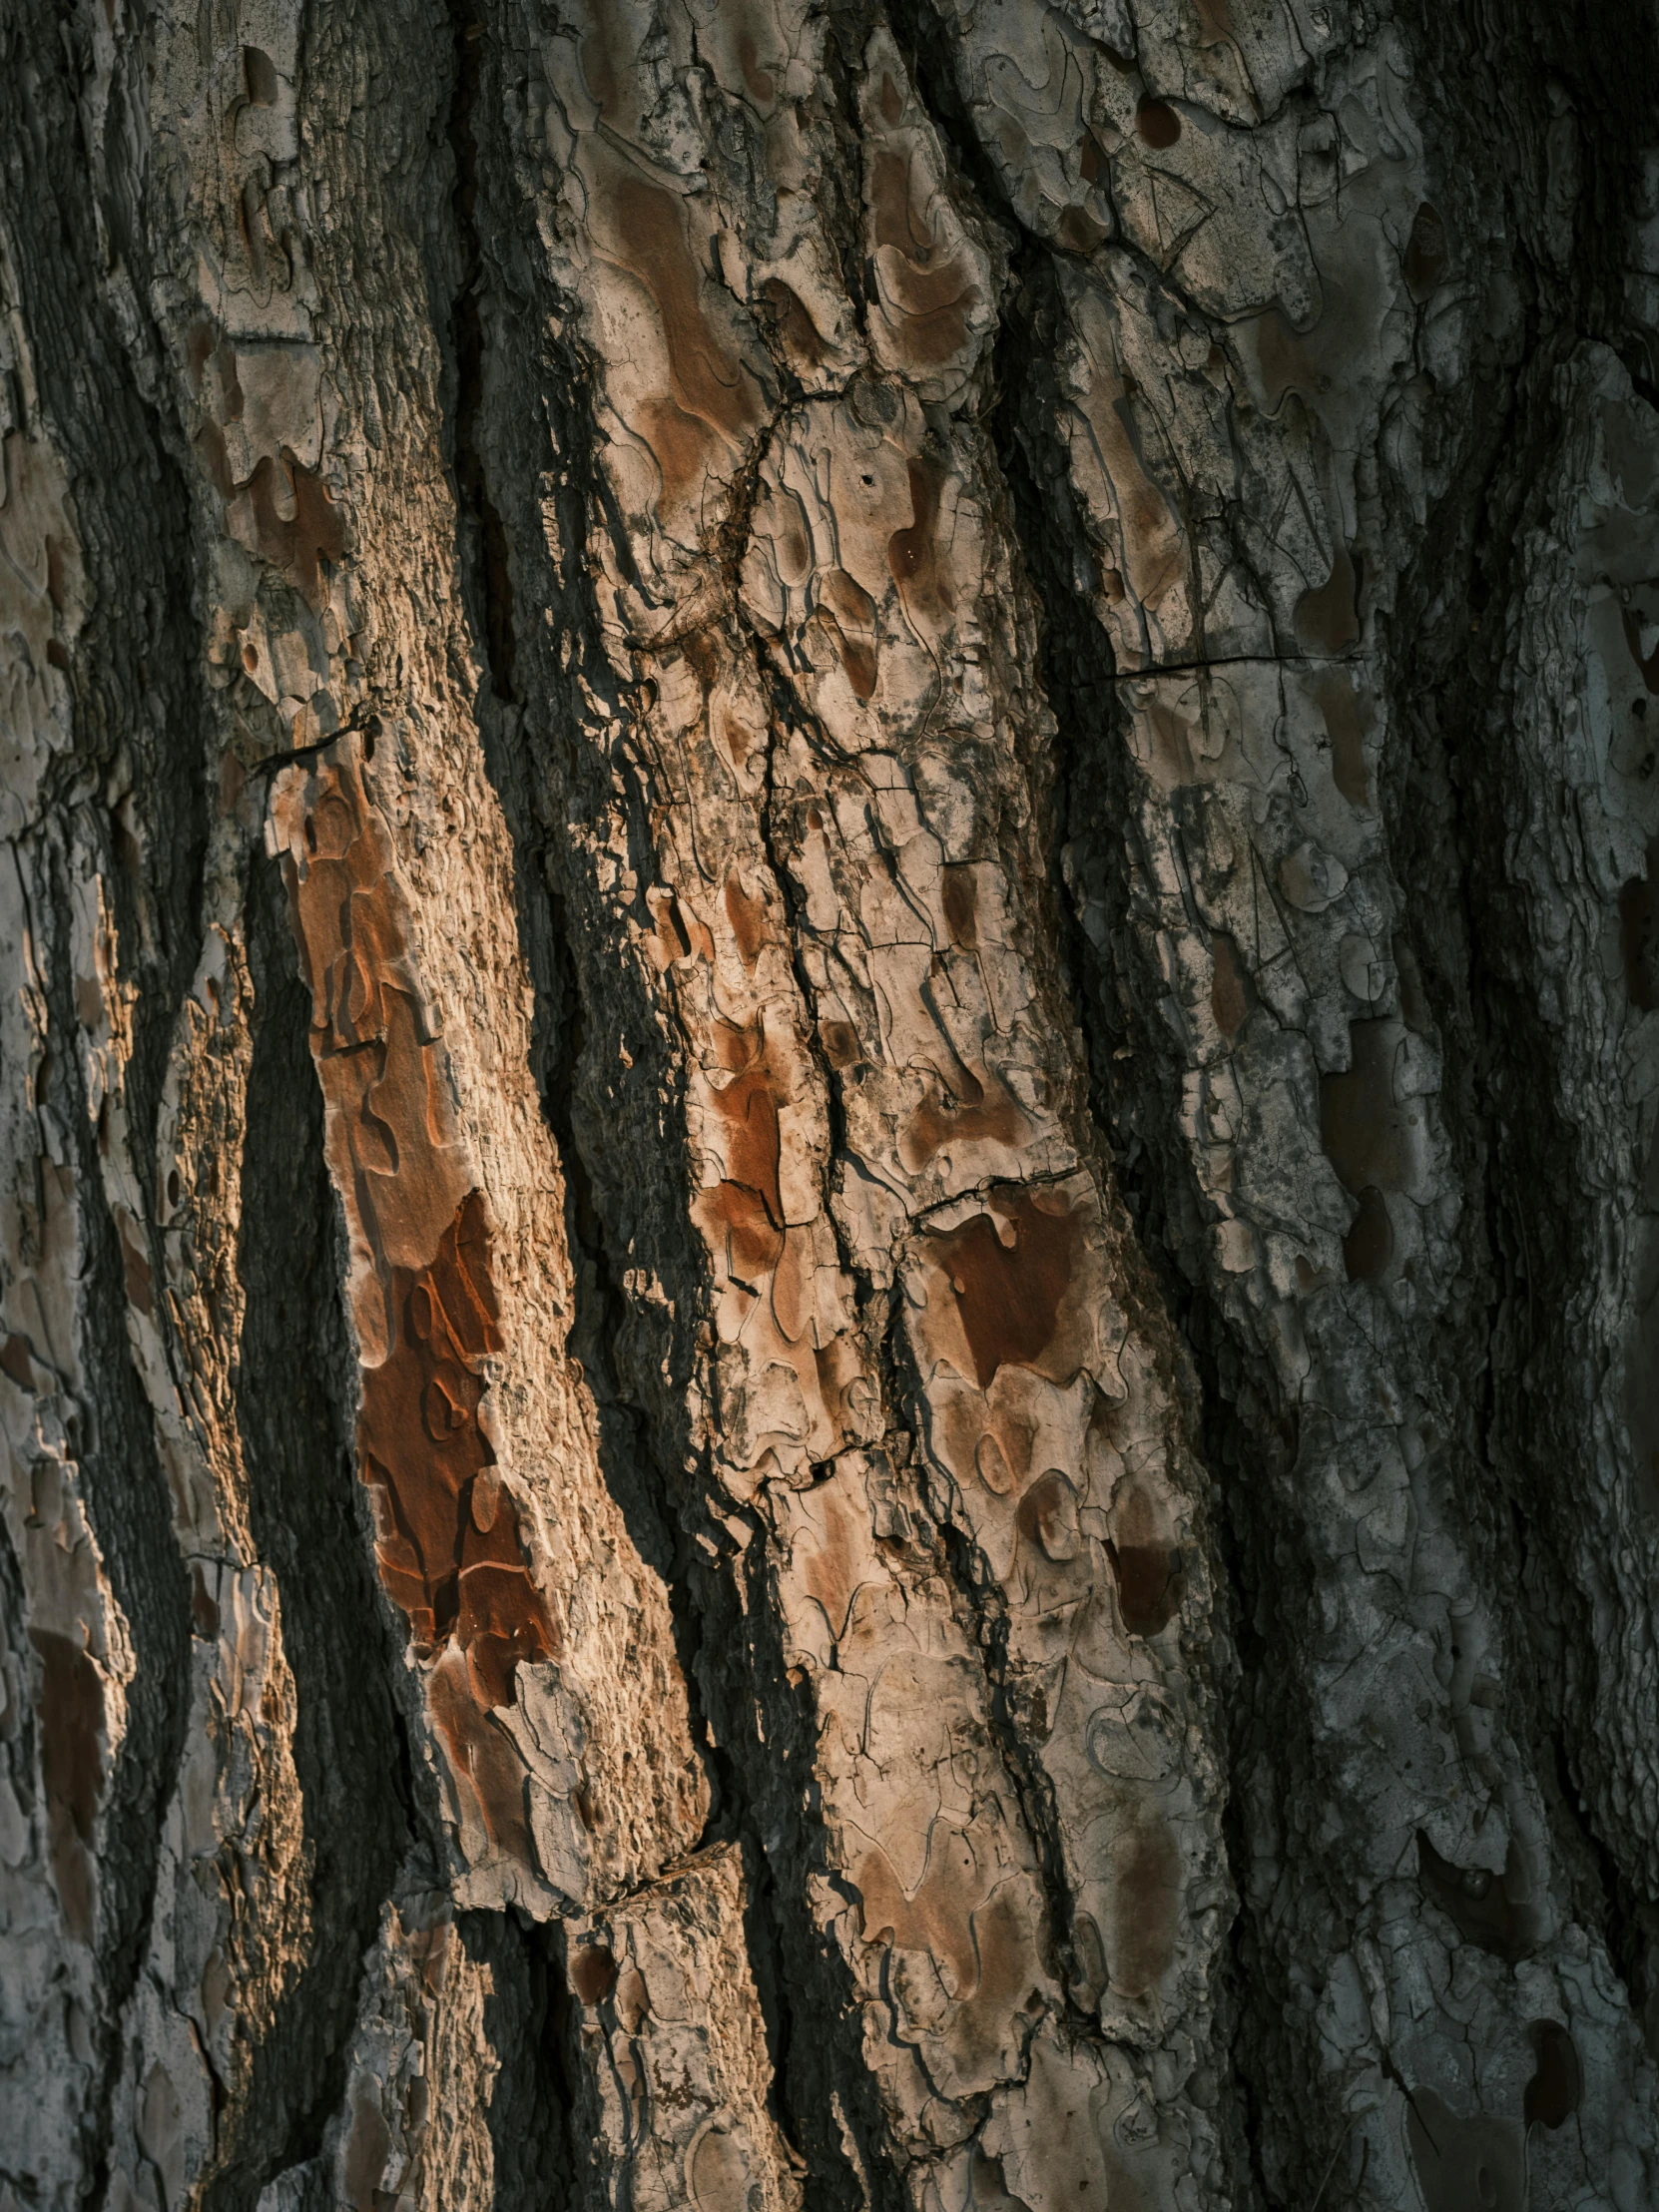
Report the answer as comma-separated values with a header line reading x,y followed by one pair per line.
x,y
829,1059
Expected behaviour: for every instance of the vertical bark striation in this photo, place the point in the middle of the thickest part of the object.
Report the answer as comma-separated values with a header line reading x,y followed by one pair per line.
x,y
828,1272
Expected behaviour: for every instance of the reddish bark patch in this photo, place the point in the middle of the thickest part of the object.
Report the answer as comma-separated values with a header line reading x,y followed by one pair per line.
x,y
833,1572
203,1609
1009,1294
710,387
747,1109
748,918
391,1101
847,613
913,554
840,1043
970,1112
959,896
482,1756
366,2151
1047,1517
593,1972
1147,1910
71,1709
447,1538
446,1534
736,1220
135,1276
982,1943
933,290
796,331
1151,1585
1151,1578
1362,1125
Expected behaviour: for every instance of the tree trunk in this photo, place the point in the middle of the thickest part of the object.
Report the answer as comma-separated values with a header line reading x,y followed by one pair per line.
x,y
828,1066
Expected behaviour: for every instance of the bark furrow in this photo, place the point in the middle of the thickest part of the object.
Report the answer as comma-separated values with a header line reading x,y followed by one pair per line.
x,y
828,1064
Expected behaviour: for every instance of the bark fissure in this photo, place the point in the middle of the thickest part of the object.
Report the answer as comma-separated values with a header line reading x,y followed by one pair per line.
x,y
890,1440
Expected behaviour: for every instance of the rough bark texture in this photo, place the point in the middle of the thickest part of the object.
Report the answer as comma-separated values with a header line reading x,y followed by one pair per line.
x,y
828,1105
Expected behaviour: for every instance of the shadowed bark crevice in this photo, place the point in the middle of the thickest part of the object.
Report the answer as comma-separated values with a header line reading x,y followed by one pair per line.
x,y
1551,70
488,569
296,1391
527,2023
113,1437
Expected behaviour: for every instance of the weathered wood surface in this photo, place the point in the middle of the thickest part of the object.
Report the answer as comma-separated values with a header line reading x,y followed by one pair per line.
x,y
830,1082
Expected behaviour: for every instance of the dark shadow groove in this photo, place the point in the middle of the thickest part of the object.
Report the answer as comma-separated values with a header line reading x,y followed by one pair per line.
x,y
528,2025
296,1387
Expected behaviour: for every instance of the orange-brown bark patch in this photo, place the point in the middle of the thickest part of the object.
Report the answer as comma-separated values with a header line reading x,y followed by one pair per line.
x,y
934,296
737,1225
970,1112
796,332
913,553
748,918
1149,1577
482,1756
447,1538
979,1943
747,1109
593,1972
847,613
1147,1909
959,896
1009,1294
69,1704
708,383
833,1571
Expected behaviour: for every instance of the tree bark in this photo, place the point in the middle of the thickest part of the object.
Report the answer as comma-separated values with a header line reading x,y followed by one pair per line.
x,y
829,1080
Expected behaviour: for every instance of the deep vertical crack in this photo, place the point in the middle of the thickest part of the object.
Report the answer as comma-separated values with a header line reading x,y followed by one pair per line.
x,y
295,1388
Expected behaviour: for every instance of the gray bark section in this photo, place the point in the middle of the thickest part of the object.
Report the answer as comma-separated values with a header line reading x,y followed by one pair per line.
x,y
828,1078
